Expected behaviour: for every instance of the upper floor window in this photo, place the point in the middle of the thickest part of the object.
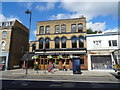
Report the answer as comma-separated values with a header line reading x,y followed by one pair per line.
x,y
41,29
63,40
80,27
57,42
73,27
33,47
41,40
3,44
81,41
112,42
47,29
47,43
97,43
63,28
57,29
4,34
74,42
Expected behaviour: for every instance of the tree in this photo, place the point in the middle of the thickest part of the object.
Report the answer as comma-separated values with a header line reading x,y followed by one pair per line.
x,y
90,31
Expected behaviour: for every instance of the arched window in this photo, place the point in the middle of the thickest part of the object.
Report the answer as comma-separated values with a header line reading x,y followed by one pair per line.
x,y
63,28
57,29
47,29
73,27
33,47
80,27
74,42
63,42
81,41
41,41
47,43
3,44
41,30
57,42
4,34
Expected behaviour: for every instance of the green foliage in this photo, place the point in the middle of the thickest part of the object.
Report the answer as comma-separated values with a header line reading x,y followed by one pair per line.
x,y
59,57
90,31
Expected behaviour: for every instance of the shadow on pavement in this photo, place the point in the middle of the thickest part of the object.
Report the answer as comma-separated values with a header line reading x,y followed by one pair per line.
x,y
25,84
117,76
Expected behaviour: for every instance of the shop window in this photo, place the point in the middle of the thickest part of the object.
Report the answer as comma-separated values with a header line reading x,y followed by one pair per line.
x,y
67,61
42,61
81,61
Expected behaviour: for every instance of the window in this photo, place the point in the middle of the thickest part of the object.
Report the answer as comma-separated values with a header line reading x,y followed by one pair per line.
x,y
57,40
41,43
57,29
41,29
47,43
112,42
73,27
63,28
82,59
81,41
3,45
80,27
4,34
47,30
33,47
97,43
74,42
63,40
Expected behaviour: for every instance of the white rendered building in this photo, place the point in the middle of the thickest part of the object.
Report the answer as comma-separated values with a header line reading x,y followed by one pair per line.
x,y
100,48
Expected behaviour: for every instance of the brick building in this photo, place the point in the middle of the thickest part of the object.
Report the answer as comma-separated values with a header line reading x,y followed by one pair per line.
x,y
14,41
63,37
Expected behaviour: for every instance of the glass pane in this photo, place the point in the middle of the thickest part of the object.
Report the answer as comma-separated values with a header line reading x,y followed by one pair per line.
x,y
80,27
63,28
73,28
114,42
47,29
57,29
41,30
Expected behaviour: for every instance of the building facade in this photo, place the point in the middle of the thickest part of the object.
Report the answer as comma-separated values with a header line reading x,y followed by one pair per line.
x,y
100,48
14,42
60,37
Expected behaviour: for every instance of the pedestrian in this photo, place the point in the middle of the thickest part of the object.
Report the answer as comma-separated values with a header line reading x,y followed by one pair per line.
x,y
64,66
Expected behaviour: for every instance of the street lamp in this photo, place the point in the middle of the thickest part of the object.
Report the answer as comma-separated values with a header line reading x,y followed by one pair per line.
x,y
28,12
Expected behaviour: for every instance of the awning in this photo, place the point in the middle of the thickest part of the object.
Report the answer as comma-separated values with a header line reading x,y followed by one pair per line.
x,y
27,57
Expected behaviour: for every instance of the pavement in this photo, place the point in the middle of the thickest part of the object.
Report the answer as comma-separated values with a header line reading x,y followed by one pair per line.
x,y
104,73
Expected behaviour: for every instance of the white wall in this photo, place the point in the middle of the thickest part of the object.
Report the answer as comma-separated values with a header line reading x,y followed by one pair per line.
x,y
104,41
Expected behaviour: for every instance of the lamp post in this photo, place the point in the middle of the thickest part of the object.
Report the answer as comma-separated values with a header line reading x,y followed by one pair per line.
x,y
28,12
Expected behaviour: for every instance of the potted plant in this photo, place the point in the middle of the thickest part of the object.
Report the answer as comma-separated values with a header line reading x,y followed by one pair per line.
x,y
35,57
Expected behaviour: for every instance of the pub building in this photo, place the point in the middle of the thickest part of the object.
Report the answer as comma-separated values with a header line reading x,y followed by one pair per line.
x,y
59,41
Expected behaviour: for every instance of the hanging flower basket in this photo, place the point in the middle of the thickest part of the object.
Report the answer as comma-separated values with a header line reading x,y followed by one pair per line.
x,y
35,57
49,57
59,57
70,57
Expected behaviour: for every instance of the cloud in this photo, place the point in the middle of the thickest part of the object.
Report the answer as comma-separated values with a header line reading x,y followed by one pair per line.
x,y
90,9
27,5
47,6
111,30
11,18
96,26
34,32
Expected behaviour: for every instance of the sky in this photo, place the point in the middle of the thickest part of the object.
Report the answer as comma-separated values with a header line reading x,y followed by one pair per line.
x,y
99,15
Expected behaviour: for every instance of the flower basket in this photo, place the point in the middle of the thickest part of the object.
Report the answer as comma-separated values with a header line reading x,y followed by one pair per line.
x,y
70,57
59,57
49,57
35,57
